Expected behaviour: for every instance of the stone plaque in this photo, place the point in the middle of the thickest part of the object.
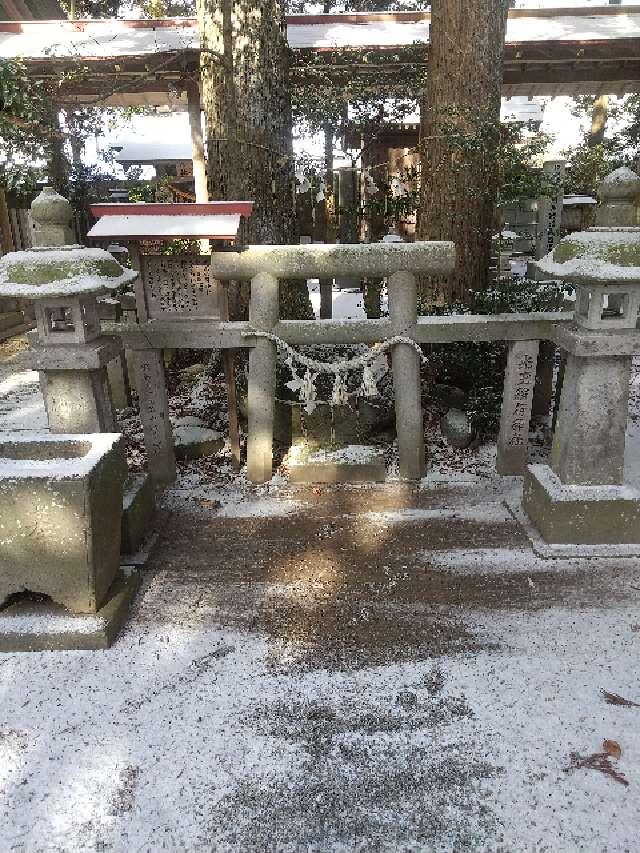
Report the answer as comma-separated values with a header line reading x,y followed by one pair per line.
x,y
179,286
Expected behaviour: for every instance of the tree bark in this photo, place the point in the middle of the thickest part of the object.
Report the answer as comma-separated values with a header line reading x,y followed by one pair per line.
x,y
58,166
599,114
245,95
247,106
460,132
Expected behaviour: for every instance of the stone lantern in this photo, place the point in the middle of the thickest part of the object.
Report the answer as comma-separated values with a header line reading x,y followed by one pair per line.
x,y
580,498
70,352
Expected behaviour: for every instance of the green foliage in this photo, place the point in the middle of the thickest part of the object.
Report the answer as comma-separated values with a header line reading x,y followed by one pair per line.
x,y
478,368
93,8
24,126
520,152
587,167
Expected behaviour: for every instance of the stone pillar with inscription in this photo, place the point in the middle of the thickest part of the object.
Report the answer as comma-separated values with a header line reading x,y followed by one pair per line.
x,y
151,386
519,383
550,209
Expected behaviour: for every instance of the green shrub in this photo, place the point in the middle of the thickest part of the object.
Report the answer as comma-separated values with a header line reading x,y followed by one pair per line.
x,y
478,368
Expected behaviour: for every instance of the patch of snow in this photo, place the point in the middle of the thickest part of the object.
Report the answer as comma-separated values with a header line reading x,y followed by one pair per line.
x,y
21,402
49,623
351,454
499,561
262,508
489,513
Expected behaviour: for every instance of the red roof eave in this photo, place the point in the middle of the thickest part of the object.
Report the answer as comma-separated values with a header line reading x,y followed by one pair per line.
x,y
210,208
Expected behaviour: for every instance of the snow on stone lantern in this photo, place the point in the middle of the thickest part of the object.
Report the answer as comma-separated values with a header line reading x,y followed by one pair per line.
x,y
580,498
603,263
70,352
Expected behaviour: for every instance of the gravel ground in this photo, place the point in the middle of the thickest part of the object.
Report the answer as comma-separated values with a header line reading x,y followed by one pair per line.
x,y
359,669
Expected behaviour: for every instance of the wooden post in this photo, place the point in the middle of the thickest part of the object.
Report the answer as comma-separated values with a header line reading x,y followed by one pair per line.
x,y
228,359
263,314
5,225
405,362
517,398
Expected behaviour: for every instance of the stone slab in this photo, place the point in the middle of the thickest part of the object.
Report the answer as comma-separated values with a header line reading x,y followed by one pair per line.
x,y
337,465
37,627
580,515
138,507
91,356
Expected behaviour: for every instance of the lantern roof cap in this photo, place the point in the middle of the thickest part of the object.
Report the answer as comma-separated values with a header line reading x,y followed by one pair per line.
x,y
623,183
61,271
608,256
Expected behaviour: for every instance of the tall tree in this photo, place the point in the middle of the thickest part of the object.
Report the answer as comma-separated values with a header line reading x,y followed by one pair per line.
x,y
244,71
460,136
245,97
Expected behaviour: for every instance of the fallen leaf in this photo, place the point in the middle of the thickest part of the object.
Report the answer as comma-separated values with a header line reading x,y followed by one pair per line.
x,y
615,699
612,748
598,761
205,503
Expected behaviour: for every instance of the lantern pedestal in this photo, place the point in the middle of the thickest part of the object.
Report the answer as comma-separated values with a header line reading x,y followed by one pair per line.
x,y
580,515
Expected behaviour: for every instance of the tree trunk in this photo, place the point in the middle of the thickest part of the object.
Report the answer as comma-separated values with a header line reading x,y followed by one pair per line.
x,y
58,166
599,114
460,133
245,97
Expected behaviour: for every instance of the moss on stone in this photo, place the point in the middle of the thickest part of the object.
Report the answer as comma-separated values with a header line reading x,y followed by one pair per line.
x,y
622,254
42,273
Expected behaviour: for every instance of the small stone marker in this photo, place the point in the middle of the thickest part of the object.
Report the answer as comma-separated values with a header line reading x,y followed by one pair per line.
x,y
519,384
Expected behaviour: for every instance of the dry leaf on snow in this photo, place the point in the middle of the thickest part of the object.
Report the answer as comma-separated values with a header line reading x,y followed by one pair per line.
x,y
615,699
612,748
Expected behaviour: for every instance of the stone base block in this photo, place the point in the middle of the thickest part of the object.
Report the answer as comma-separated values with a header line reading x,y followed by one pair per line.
x,y
60,511
31,626
193,442
138,506
351,464
580,515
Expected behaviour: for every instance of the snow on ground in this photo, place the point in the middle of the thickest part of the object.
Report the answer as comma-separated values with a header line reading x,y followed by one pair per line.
x,y
183,738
